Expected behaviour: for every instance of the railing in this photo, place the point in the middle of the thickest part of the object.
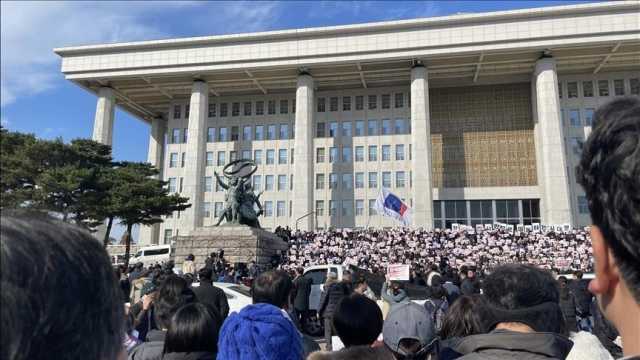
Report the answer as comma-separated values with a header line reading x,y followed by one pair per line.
x,y
302,217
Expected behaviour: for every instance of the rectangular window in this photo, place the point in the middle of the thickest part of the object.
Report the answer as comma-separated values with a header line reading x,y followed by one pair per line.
x,y
386,127
400,126
217,209
320,130
177,112
167,236
333,103
583,205
223,134
386,101
346,154
373,127
185,135
400,181
233,156
346,103
212,109
333,154
271,132
206,209
560,89
347,207
246,133
346,129
224,109
333,208
268,182
235,109
282,182
173,160
634,86
373,153
399,100
319,181
587,88
386,179
211,134
183,159
282,156
321,104
359,128
618,87
603,87
186,111
246,108
260,107
208,184
400,152
235,133
271,154
386,152
373,180
572,89
359,207
333,181
257,182
372,207
210,161
319,207
359,153
271,107
284,106
574,117
172,185
359,180
319,155
175,136
257,157
588,117
246,154
268,208
333,129
373,102
347,181
280,210
221,159
359,102
259,132
284,131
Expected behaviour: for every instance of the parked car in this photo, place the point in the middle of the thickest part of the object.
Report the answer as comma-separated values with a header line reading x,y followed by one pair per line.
x,y
238,295
153,255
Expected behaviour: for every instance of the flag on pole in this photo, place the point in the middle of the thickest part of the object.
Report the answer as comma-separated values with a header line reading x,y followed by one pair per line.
x,y
390,205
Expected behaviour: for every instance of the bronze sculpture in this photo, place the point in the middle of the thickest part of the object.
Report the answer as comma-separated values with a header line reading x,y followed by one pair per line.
x,y
240,199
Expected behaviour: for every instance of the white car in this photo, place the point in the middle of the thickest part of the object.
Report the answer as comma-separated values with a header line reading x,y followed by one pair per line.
x,y
238,295
155,254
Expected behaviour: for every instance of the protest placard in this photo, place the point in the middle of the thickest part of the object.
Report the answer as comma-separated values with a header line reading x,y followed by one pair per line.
x,y
399,272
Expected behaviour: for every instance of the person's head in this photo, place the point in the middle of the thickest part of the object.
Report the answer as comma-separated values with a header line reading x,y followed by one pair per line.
x,y
464,317
172,294
213,255
190,257
299,271
194,327
331,278
346,277
437,291
205,275
609,172
357,320
59,296
360,285
578,274
272,287
525,295
408,332
562,281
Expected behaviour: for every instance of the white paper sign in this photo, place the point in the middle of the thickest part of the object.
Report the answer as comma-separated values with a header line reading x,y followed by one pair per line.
x,y
398,272
455,227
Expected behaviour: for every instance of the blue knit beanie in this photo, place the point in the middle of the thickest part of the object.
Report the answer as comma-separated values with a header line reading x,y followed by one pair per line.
x,y
260,332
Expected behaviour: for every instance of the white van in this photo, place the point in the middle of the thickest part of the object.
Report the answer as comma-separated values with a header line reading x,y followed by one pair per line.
x,y
156,254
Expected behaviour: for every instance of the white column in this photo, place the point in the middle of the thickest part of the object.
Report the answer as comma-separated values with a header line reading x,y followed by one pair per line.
x,y
303,178
194,170
151,234
422,190
103,121
553,181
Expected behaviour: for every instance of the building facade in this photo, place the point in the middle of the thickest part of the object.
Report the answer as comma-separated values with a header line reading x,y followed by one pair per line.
x,y
470,119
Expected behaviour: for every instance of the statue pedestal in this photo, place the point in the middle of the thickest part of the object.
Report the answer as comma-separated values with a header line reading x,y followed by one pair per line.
x,y
240,244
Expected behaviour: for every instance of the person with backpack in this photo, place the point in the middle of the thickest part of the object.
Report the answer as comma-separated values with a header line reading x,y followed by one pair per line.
x,y
437,304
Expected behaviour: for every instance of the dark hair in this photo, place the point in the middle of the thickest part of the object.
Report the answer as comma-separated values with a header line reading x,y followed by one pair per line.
x,y
272,287
172,294
464,317
437,291
194,327
562,279
59,295
205,274
609,172
357,320
525,294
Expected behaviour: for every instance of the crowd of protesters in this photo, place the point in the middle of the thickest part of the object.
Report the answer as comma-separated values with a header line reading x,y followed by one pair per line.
x,y
61,300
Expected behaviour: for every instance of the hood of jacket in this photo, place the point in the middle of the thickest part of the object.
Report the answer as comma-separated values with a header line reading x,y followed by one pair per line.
x,y
500,341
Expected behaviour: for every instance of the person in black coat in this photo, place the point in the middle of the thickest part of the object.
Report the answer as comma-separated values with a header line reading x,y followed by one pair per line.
x,y
328,303
301,292
567,304
211,295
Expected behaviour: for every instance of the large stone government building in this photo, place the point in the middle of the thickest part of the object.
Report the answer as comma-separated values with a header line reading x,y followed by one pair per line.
x,y
470,118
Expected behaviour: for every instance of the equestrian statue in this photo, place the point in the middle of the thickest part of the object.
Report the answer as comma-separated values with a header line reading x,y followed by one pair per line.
x,y
240,199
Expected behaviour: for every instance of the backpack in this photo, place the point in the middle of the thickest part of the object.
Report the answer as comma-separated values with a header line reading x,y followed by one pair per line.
x,y
437,312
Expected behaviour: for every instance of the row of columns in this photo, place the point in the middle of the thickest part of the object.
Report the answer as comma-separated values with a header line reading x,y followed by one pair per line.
x,y
550,155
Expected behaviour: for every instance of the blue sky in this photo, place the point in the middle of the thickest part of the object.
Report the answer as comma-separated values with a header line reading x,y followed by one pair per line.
x,y
35,98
